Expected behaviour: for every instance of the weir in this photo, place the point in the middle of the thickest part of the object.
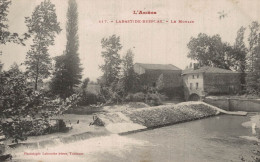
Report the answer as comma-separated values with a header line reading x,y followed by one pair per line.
x,y
153,117
136,120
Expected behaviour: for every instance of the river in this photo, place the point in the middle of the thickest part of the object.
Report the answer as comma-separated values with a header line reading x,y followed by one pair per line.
x,y
220,138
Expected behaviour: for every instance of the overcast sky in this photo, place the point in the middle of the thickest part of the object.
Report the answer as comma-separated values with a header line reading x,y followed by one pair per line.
x,y
151,43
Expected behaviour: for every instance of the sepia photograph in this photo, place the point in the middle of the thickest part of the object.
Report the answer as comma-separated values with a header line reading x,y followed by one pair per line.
x,y
129,80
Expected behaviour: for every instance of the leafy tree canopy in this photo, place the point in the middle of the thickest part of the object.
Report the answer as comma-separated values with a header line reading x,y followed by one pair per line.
x,y
43,26
209,51
111,69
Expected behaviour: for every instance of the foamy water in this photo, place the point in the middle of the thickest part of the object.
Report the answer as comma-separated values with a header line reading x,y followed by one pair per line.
x,y
250,138
254,124
86,150
123,127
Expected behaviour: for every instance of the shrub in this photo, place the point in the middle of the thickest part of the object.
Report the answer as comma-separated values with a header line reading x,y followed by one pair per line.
x,y
172,92
129,97
88,98
19,103
139,97
153,99
162,97
112,94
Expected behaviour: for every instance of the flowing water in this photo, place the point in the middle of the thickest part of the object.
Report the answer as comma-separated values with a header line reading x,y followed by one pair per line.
x,y
220,138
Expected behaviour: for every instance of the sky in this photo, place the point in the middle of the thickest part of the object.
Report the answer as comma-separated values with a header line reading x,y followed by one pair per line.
x,y
158,43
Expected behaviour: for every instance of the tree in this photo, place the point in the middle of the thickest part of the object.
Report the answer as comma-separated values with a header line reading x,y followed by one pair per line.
x,y
252,83
85,83
59,82
72,61
13,99
253,76
209,51
111,68
253,43
23,111
43,26
84,90
238,54
5,34
257,69
87,97
14,67
111,87
130,78
19,104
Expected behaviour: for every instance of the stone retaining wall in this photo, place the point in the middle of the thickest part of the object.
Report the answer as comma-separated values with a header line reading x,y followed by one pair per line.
x,y
220,103
249,105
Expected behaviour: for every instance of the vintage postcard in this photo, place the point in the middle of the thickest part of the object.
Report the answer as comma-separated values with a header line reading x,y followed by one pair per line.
x,y
129,80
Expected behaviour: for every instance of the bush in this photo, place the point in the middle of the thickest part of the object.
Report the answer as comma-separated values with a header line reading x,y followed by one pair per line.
x,y
162,97
172,92
20,130
139,97
129,97
153,99
19,103
112,94
37,127
88,98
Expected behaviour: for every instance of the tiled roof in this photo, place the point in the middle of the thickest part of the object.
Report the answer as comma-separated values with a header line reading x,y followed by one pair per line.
x,y
158,66
208,69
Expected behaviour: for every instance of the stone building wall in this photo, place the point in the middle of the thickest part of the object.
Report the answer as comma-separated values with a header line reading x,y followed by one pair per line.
x,y
222,83
150,77
171,81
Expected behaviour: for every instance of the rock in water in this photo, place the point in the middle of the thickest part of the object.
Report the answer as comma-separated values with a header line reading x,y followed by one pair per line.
x,y
5,157
97,121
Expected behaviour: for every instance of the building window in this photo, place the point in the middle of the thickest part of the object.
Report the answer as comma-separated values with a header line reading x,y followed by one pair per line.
x,y
193,77
197,85
198,75
190,86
